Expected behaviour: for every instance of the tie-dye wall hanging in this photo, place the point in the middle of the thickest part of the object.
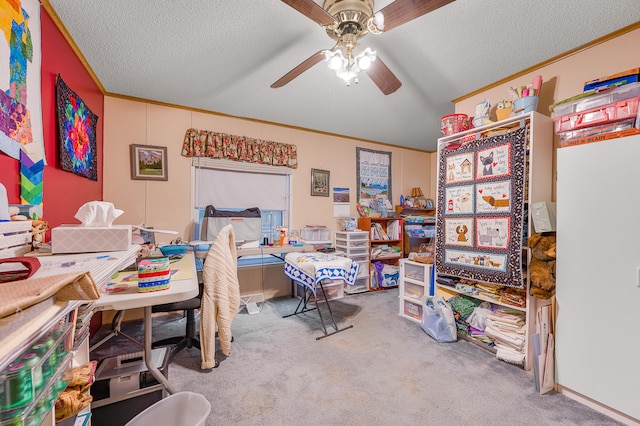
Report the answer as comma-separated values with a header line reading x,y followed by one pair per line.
x,y
77,132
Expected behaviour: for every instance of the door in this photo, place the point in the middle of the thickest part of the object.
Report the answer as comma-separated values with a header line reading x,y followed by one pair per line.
x,y
598,272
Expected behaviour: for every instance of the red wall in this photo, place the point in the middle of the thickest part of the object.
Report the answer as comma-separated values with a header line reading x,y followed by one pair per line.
x,y
63,192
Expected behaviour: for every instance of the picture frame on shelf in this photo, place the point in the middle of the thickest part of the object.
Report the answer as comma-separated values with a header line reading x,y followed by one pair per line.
x,y
148,162
429,204
320,183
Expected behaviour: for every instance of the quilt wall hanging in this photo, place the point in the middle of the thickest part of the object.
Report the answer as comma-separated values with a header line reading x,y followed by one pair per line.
x,y
20,102
481,194
373,175
76,132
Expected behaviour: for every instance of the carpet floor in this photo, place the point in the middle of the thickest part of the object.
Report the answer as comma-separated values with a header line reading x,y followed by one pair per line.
x,y
384,371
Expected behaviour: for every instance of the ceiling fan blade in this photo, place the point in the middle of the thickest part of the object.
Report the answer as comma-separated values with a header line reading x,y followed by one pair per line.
x,y
311,10
305,65
383,77
402,11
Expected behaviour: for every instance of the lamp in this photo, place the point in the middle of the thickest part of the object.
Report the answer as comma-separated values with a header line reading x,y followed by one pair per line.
x,y
416,192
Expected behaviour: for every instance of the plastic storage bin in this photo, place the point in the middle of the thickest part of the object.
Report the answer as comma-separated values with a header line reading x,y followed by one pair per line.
x,y
413,310
362,283
579,136
182,408
315,233
597,116
596,100
333,289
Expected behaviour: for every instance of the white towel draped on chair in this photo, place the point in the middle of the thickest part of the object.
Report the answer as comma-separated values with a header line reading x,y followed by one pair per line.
x,y
220,297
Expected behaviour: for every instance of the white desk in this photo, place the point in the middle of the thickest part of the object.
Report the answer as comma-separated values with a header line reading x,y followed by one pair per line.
x,y
274,250
184,285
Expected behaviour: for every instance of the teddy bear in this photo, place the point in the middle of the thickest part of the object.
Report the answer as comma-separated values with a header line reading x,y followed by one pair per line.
x,y
542,268
38,230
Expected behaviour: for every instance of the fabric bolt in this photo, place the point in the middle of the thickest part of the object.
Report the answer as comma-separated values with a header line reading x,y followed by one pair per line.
x,y
463,305
513,340
18,295
220,297
508,354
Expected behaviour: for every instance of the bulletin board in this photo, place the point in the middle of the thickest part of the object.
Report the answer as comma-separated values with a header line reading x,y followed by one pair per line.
x,y
481,193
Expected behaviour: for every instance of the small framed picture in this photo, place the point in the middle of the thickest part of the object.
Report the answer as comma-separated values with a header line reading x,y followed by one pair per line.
x,y
319,183
149,162
429,204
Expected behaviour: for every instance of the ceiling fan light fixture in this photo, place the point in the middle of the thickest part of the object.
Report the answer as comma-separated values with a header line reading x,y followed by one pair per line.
x,y
347,21
375,25
348,73
348,68
335,59
366,58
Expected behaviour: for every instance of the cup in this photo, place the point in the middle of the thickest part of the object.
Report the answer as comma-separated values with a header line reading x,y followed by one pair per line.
x,y
525,105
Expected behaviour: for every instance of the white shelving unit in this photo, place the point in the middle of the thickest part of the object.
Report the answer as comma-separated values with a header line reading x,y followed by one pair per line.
x,y
355,246
538,181
415,284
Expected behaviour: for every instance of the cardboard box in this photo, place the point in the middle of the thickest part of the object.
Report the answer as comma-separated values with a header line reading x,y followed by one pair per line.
x,y
88,239
619,79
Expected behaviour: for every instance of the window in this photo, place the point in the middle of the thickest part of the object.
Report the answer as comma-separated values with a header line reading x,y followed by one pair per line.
x,y
229,185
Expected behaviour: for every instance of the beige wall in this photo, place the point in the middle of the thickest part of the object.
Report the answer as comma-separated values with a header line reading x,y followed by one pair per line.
x,y
564,78
168,204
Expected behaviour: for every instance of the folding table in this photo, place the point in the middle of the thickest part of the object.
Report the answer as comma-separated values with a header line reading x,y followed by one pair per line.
x,y
310,270
184,285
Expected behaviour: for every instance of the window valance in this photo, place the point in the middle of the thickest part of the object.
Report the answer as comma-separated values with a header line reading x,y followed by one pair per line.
x,y
205,143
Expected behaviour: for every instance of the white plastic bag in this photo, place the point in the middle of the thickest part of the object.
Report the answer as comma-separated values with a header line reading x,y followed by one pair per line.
x,y
438,320
478,318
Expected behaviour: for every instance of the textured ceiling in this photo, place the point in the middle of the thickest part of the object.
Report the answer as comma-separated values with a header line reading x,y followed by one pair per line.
x,y
222,56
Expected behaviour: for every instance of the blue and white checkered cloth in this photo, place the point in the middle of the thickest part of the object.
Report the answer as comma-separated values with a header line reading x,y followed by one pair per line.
x,y
310,268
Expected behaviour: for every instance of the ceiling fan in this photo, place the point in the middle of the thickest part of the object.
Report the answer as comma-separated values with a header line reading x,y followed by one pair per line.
x,y
346,21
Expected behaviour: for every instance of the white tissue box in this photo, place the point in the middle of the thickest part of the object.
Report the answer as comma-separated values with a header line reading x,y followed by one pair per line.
x,y
89,239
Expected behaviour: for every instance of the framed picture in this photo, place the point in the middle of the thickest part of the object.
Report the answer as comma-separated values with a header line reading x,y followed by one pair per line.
x,y
429,204
148,162
319,183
